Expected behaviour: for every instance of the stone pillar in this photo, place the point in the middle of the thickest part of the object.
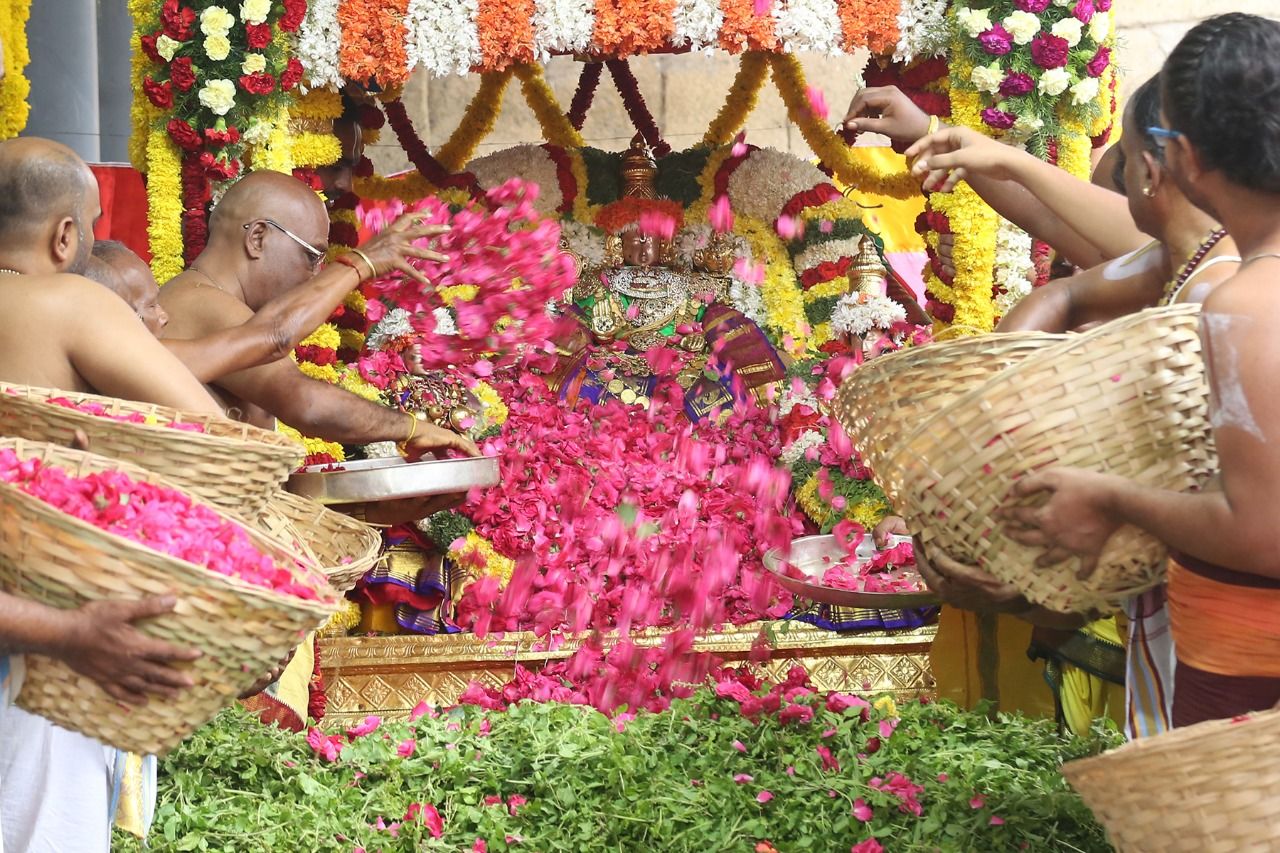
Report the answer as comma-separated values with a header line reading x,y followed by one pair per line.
x,y
115,94
63,38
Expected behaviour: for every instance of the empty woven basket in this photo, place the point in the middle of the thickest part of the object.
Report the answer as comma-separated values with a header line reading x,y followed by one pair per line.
x,y
230,464
1128,398
58,560
1208,788
341,547
889,396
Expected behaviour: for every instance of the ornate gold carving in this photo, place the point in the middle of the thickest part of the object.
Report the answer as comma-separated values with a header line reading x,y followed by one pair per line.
x,y
639,171
867,270
388,676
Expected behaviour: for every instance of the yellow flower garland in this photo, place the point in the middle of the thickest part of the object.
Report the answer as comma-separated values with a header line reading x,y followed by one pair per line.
x,y
164,203
491,561
495,411
753,70
868,513
583,210
556,127
14,87
477,122
974,225
314,149
317,105
313,446
788,76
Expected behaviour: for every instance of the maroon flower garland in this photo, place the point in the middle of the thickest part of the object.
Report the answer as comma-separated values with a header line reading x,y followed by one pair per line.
x,y
588,81
429,167
197,191
637,109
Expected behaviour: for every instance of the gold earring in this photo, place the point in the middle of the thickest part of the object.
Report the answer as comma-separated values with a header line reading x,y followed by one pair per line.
x,y
1148,191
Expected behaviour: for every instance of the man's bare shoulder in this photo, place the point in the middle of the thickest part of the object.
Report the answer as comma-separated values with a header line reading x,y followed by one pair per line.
x,y
1252,291
197,308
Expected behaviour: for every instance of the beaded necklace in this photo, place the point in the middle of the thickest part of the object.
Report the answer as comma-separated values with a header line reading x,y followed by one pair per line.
x,y
1187,269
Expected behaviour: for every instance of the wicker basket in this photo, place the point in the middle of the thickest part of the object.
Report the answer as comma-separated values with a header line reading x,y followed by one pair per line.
x,y
58,560
230,464
1202,789
343,548
889,396
1128,398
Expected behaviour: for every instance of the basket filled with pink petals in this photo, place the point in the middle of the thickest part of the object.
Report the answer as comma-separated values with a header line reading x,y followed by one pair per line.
x,y
1208,787
233,465
76,527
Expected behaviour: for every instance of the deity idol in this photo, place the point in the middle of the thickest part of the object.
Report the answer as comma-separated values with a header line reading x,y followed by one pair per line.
x,y
638,301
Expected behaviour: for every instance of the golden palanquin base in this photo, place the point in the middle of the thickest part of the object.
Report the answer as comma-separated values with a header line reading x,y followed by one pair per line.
x,y
388,676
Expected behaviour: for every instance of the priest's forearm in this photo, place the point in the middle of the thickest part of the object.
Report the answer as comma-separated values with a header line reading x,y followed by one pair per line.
x,y
1202,525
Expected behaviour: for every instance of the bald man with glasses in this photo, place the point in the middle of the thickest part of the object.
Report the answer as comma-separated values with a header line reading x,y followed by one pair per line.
x,y
267,236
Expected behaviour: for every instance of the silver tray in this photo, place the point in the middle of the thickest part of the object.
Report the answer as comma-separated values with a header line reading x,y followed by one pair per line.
x,y
365,480
813,555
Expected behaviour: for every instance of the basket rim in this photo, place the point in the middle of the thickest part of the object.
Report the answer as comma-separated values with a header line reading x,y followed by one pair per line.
x,y
9,491
1069,343
252,434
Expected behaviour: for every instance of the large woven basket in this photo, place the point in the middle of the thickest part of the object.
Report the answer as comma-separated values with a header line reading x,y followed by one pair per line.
x,y
1207,788
889,396
58,560
341,547
1128,398
230,464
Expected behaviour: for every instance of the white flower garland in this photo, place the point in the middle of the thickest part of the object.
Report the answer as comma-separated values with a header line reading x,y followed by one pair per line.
x,y
445,324
922,30
859,313
697,24
562,25
797,394
796,450
808,25
532,164
395,324
585,241
1013,265
442,36
318,44
381,450
767,180
830,251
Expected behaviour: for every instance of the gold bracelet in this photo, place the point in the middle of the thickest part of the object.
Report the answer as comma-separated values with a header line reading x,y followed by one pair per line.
x,y
413,430
933,125
373,271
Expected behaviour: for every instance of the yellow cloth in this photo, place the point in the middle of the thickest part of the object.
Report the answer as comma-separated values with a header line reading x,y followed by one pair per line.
x,y
979,656
131,808
1086,697
293,687
893,219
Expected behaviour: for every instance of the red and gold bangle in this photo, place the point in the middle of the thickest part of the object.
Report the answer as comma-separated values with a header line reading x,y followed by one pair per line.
x,y
348,262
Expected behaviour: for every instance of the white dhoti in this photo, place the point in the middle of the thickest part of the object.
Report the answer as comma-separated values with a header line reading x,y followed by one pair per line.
x,y
55,787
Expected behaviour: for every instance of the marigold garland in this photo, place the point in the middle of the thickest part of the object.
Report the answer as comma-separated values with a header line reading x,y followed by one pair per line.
x,y
477,122
832,151
164,205
627,27
753,71
743,29
870,23
556,128
15,88
476,551
505,28
373,41
141,113
314,149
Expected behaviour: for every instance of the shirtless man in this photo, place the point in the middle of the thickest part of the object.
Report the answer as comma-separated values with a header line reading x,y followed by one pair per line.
x,y
268,335
265,238
70,333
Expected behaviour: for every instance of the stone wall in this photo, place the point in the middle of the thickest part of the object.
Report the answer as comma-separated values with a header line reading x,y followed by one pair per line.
x,y
684,92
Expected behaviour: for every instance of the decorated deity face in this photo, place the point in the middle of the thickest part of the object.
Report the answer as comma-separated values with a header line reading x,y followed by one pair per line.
x,y
640,250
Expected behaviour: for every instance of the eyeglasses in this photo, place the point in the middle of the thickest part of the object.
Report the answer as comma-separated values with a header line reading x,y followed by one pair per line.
x,y
315,254
1164,133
